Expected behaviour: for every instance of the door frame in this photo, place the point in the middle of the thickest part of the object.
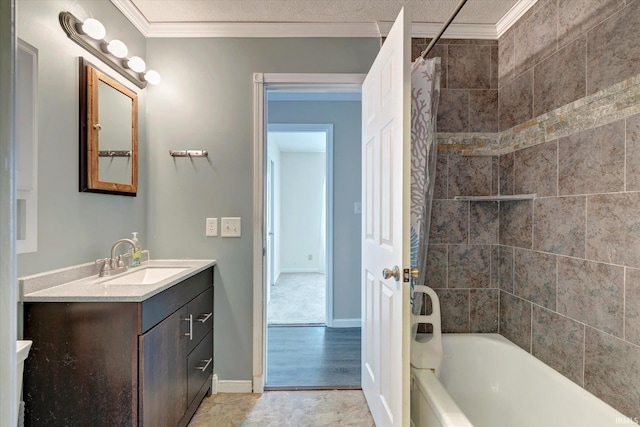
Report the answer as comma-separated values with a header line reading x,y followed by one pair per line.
x,y
289,81
327,128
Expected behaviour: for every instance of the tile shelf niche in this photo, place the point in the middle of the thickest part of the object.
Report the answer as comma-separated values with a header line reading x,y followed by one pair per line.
x,y
496,198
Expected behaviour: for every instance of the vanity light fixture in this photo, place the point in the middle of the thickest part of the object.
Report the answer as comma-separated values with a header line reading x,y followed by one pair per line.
x,y
90,35
117,48
152,77
136,63
93,28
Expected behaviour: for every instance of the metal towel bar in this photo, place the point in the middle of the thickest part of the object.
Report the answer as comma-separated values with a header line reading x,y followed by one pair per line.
x,y
188,153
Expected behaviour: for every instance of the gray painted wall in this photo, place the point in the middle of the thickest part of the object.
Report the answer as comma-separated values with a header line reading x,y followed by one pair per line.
x,y
345,116
205,101
74,227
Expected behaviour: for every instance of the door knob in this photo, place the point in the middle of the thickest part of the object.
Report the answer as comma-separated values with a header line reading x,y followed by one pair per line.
x,y
414,272
388,274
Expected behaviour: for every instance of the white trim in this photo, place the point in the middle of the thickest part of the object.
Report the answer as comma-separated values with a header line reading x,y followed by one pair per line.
x,y
314,29
131,12
511,17
328,320
234,386
346,323
27,153
286,95
263,29
259,249
455,31
8,282
325,81
276,80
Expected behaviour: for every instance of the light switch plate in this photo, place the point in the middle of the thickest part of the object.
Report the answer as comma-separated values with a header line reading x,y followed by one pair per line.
x,y
211,227
230,227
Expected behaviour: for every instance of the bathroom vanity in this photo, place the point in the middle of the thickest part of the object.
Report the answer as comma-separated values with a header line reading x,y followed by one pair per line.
x,y
111,353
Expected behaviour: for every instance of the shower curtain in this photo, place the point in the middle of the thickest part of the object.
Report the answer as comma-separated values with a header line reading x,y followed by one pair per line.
x,y
425,95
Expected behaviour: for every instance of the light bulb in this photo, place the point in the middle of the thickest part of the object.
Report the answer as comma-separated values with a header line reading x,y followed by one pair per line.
x,y
136,64
117,48
94,29
152,77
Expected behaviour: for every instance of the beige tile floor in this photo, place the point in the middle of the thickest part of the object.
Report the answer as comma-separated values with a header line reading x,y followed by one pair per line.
x,y
285,408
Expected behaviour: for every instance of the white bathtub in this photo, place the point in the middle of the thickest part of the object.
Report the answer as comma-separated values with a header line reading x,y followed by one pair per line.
x,y
487,381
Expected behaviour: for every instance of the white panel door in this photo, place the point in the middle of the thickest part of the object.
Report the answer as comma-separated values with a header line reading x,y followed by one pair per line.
x,y
386,138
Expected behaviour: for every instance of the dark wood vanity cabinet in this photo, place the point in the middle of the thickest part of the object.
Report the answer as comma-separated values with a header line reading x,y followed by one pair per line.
x,y
121,363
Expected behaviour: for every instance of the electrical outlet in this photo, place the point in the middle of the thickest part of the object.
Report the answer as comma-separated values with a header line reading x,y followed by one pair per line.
x,y
310,257
230,227
212,227
357,208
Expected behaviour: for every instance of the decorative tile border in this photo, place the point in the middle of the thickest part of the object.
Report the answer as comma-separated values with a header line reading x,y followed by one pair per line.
x,y
617,102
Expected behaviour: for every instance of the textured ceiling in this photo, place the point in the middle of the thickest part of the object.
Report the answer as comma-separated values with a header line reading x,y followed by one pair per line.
x,y
359,11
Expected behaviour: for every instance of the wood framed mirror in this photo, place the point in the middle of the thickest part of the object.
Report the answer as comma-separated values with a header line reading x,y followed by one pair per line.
x,y
108,134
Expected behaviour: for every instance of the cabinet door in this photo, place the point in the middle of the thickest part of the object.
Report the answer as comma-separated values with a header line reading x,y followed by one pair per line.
x,y
163,372
200,366
201,308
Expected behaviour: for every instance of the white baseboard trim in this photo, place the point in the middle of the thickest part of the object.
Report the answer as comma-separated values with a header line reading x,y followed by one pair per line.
x,y
301,270
258,384
346,323
231,386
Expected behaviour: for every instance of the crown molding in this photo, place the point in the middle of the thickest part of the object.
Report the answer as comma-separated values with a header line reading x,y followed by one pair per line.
x,y
131,12
512,16
316,29
262,29
455,31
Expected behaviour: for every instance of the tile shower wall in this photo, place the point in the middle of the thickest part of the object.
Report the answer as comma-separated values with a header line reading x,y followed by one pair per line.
x,y
463,248
563,50
469,83
569,261
463,244
560,275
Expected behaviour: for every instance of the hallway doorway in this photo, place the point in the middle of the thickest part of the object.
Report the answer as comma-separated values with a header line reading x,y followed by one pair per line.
x,y
312,100
298,217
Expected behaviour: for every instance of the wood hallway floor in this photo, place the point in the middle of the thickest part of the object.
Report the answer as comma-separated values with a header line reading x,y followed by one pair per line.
x,y
313,357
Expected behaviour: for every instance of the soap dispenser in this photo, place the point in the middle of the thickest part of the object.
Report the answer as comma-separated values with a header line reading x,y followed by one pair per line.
x,y
136,254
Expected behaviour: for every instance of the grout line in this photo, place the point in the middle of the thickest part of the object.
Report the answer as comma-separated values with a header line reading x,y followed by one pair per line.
x,y
584,352
446,268
624,304
557,281
557,167
469,299
531,331
624,166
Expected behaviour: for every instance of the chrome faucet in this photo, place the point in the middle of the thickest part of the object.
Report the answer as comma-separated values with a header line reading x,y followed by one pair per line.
x,y
115,264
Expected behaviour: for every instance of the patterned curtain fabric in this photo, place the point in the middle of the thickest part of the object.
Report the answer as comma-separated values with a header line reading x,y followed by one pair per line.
x,y
425,94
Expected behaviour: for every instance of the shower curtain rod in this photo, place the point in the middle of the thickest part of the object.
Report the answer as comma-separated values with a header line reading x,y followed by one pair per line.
x,y
442,30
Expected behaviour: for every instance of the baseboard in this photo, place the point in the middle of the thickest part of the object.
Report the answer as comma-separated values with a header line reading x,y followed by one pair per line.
x,y
231,386
346,323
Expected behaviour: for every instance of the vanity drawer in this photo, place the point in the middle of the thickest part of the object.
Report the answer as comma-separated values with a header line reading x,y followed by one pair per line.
x,y
200,366
201,308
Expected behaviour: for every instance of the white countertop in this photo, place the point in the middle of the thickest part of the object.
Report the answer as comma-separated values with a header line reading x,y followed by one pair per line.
x,y
93,288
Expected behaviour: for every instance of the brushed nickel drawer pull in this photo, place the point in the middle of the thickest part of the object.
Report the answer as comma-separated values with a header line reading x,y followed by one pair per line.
x,y
204,368
190,320
204,317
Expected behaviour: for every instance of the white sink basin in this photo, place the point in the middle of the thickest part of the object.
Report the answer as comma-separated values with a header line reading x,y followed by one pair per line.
x,y
145,276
